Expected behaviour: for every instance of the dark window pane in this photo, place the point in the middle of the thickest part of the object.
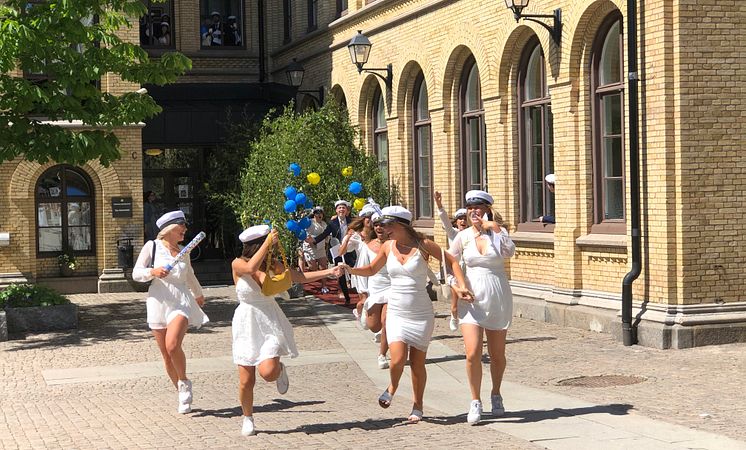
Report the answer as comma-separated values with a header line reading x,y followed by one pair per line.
x,y
50,184
472,102
533,82
611,62
76,185
614,199
422,106
382,153
612,111
157,26
380,113
613,166
221,23
537,195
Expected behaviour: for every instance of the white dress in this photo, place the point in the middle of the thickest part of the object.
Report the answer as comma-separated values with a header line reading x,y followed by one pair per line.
x,y
410,317
492,308
173,295
260,329
378,284
313,252
355,243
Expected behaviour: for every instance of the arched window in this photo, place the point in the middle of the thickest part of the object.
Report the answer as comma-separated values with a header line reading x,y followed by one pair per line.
x,y
64,205
423,151
473,148
536,138
381,135
608,127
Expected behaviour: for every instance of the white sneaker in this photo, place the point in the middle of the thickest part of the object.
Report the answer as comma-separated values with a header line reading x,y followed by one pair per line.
x,y
475,412
383,363
377,338
453,324
248,426
497,405
283,383
364,319
185,396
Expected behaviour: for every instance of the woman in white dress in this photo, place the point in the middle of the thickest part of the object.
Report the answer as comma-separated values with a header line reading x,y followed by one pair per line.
x,y
409,319
315,254
359,233
174,299
483,248
261,332
452,229
375,306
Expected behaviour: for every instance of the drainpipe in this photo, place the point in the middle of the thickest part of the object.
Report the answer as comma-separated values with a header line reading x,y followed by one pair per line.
x,y
629,334
260,17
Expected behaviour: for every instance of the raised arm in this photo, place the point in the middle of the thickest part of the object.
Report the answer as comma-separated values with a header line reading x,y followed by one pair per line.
x,y
350,240
309,277
375,266
242,267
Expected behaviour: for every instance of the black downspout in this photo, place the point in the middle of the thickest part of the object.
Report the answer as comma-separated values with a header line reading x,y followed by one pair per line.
x,y
629,334
260,16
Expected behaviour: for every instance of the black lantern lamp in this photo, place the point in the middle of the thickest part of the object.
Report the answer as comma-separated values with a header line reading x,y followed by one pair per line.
x,y
555,30
295,73
359,48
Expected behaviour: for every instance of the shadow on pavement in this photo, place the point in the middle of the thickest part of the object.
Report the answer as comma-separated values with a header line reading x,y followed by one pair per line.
x,y
277,405
534,415
320,428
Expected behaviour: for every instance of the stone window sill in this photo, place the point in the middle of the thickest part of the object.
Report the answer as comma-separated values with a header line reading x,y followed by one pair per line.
x,y
602,240
528,238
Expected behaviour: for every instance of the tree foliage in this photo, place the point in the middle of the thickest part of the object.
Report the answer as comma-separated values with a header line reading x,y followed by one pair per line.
x,y
73,43
320,141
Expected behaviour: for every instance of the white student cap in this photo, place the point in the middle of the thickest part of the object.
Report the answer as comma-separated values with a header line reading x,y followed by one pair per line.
x,y
477,197
342,202
170,218
255,232
550,178
396,213
375,218
367,210
460,212
214,13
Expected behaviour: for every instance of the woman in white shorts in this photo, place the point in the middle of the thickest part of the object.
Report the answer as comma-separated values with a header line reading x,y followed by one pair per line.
x,y
174,299
483,248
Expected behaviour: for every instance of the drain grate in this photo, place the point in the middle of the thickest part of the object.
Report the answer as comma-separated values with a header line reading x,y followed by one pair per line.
x,y
601,381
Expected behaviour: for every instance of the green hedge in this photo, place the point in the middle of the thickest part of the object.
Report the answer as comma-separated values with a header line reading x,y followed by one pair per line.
x,y
25,295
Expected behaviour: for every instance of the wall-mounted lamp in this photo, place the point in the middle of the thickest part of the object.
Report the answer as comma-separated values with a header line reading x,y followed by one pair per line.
x,y
153,151
555,30
359,48
295,73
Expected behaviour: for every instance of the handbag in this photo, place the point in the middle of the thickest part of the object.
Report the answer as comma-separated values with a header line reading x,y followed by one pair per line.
x,y
445,294
141,286
275,283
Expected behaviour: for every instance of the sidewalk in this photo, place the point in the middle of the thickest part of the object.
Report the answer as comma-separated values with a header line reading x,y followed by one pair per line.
x,y
102,386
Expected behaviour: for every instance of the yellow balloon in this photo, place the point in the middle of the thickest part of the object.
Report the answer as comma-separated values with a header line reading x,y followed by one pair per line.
x,y
347,171
359,203
313,178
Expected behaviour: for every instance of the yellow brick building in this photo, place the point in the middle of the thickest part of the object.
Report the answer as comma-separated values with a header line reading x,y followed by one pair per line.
x,y
543,107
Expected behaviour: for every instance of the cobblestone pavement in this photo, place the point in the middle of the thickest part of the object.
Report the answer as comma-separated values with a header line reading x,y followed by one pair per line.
x,y
701,388
329,405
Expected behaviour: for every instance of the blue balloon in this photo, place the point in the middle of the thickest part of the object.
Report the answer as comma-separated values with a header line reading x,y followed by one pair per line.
x,y
290,206
309,203
295,168
304,223
290,192
292,225
300,198
355,188
302,235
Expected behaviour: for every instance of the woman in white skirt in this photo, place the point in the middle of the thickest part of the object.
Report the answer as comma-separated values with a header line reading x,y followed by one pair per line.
x,y
315,254
409,319
483,247
174,299
261,332
451,228
359,233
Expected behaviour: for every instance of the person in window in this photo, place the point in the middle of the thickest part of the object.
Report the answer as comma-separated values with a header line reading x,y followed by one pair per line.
x,y
215,30
232,32
165,38
337,228
549,180
174,299
145,30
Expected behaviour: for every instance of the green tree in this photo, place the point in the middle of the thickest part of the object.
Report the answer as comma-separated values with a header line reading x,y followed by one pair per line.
x,y
320,141
73,44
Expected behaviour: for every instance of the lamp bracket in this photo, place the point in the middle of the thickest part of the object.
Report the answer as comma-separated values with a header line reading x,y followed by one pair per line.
x,y
388,79
555,30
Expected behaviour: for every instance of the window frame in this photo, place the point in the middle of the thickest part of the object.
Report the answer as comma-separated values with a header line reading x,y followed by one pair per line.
x,y
241,20
598,92
417,125
525,143
172,28
465,117
342,8
287,21
380,131
312,12
63,200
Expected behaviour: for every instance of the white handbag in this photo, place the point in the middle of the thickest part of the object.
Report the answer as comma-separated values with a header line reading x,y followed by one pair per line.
x,y
441,287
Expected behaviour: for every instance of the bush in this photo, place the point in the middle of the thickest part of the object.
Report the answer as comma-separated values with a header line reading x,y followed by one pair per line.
x,y
25,295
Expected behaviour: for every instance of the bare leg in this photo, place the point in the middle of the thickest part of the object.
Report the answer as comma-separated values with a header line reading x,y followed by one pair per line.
x,y
321,264
473,345
246,382
454,303
419,376
174,336
496,350
160,339
396,366
384,342
361,302
269,369
374,320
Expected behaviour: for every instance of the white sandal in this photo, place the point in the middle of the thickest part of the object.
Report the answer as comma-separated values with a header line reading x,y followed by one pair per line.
x,y
385,399
415,416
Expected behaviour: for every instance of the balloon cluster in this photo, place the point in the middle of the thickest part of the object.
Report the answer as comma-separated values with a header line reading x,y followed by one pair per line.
x,y
295,200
